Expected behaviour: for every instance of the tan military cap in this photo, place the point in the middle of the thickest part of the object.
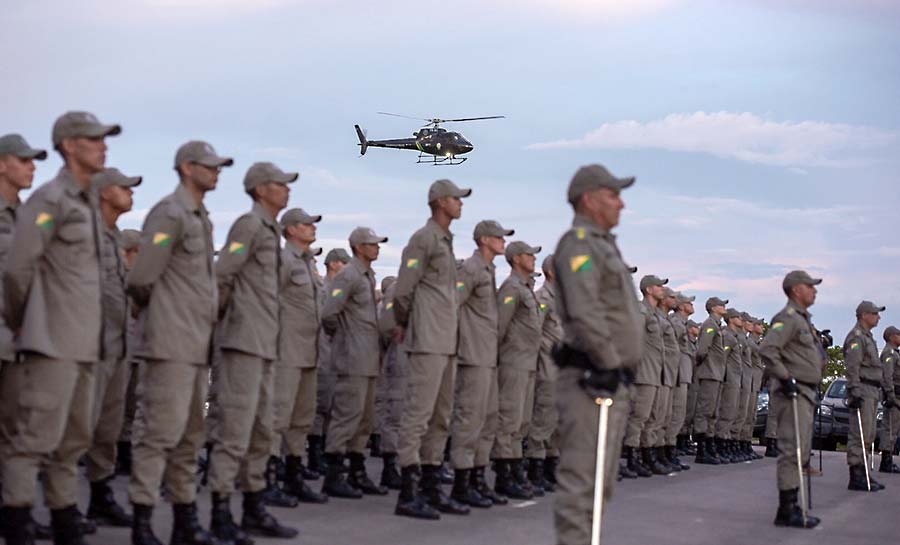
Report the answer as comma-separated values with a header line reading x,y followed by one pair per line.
x,y
889,332
365,235
868,307
683,299
732,313
387,282
197,151
337,254
298,215
547,263
131,238
490,228
794,278
518,248
15,144
81,124
113,176
692,323
652,280
715,302
591,177
446,188
265,172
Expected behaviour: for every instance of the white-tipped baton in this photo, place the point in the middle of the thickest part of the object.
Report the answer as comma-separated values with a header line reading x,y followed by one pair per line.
x,y
600,471
862,439
803,505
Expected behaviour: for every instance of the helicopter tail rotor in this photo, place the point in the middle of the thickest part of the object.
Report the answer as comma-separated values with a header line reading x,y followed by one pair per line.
x,y
363,142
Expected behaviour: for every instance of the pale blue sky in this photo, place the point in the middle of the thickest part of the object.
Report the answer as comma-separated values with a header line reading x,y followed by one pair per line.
x,y
764,135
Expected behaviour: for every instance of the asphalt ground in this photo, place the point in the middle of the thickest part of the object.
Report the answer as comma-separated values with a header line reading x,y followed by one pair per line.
x,y
733,504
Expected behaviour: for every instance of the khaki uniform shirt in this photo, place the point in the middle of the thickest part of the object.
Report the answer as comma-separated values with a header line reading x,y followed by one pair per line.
x,y
351,316
425,297
711,350
861,358
325,363
791,349
52,277
597,302
672,358
173,279
734,356
685,349
116,308
890,378
477,289
395,360
7,228
651,367
519,323
247,274
755,359
300,310
551,331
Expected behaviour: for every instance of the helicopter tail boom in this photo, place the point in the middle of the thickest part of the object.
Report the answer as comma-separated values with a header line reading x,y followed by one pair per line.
x,y
363,142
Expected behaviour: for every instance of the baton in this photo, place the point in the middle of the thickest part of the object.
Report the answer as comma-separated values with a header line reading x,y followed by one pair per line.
x,y
799,461
863,441
600,471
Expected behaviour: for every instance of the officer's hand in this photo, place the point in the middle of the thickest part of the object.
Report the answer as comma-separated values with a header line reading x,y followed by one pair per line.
x,y
853,401
399,333
826,338
599,383
889,403
789,387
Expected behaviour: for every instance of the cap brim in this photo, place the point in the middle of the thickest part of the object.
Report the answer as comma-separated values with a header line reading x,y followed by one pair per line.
x,y
314,219
289,178
132,181
664,281
215,161
30,153
535,250
463,193
317,252
624,183
103,130
632,270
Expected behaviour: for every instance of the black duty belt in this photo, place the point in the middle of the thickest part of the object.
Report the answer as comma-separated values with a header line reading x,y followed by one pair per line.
x,y
874,383
566,356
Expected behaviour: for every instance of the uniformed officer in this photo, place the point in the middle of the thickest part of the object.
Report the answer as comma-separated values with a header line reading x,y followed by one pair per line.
x,y
477,362
111,375
689,444
335,260
662,407
519,334
427,322
683,307
542,451
247,274
602,340
51,289
392,385
298,339
864,376
756,371
795,360
729,399
131,242
350,317
640,434
890,385
173,284
710,371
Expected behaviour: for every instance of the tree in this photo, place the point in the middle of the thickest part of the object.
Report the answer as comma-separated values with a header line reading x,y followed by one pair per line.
x,y
835,367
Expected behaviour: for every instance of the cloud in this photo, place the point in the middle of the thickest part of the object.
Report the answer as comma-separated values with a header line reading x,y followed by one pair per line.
x,y
742,136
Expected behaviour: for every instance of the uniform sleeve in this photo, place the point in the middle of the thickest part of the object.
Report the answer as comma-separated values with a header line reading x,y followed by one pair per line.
x,y
386,321
853,356
412,267
772,348
578,271
36,225
238,247
544,305
508,300
465,285
888,361
342,287
707,335
161,232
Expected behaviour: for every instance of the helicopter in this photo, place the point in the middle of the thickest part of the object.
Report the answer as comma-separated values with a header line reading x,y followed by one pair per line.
x,y
435,144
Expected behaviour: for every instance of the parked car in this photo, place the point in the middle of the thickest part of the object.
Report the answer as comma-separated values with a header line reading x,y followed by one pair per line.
x,y
762,414
832,419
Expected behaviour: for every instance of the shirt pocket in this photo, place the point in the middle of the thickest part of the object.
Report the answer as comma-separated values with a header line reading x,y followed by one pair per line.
x,y
74,231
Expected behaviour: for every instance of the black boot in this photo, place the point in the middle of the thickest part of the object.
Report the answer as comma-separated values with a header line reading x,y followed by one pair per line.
x,y
703,456
445,473
434,494
203,464
648,454
519,471
690,445
314,454
123,458
375,445
887,463
42,532
66,527
507,484
335,483
390,477
633,463
752,452
295,484
465,493
625,472
142,526
771,448
790,514
360,480
409,502
186,529
479,483
103,508
536,475
663,458
273,494
858,480
18,526
673,460
222,526
86,526
550,465
258,521
721,451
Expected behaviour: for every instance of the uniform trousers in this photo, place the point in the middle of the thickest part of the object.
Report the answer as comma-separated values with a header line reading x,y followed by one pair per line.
x,y
491,421
352,414
425,423
324,401
679,412
728,409
516,401
473,389
771,416
111,378
855,444
295,408
708,394
787,474
661,415
544,419
638,432
691,410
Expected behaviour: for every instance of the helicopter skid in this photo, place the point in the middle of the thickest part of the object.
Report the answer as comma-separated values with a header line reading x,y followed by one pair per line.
x,y
438,160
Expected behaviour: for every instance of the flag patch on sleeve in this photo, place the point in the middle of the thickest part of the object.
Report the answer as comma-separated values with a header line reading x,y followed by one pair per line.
x,y
580,263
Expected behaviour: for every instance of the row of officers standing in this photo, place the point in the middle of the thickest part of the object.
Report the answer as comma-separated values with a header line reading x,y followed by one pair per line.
x,y
509,376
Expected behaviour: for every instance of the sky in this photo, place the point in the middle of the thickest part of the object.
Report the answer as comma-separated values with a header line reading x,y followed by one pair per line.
x,y
764,136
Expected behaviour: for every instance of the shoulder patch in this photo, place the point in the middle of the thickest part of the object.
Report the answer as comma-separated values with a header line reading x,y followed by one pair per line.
x,y
237,248
778,326
44,220
389,306
544,309
460,286
508,300
580,233
337,292
710,330
854,346
162,239
412,263
580,263
791,310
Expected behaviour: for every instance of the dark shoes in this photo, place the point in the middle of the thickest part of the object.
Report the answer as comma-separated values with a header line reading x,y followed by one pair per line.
x,y
186,529
633,463
18,526
466,494
506,483
434,493
222,526
537,475
295,482
273,494
771,448
858,480
789,513
103,508
67,526
258,521
479,483
390,476
360,480
336,483
409,502
887,463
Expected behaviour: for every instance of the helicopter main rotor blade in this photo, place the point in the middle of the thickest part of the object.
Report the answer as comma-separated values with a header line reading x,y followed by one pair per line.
x,y
405,116
470,118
